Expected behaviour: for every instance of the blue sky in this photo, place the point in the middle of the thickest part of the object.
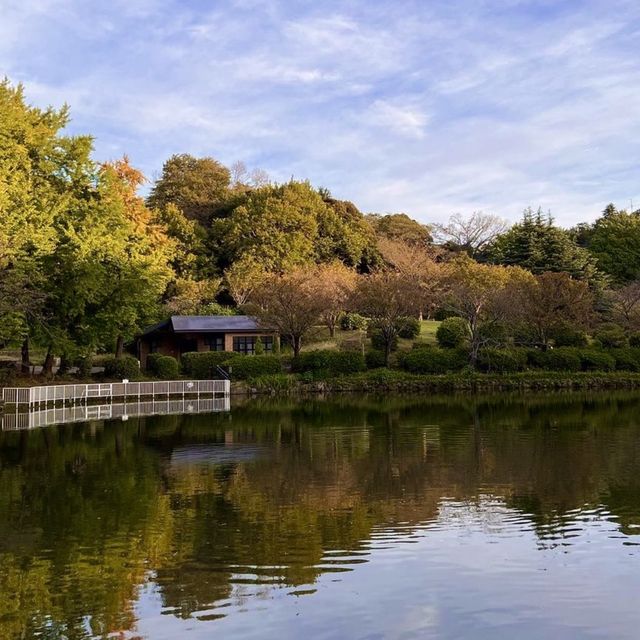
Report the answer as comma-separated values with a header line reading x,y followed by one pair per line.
x,y
426,107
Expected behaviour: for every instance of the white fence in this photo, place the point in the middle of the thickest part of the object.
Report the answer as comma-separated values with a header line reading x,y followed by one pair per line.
x,y
83,413
128,390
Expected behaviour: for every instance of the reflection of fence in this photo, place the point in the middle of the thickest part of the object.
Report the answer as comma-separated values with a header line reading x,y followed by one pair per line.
x,y
71,393
123,411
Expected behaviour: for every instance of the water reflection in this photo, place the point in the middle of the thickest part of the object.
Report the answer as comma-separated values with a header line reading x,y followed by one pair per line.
x,y
443,517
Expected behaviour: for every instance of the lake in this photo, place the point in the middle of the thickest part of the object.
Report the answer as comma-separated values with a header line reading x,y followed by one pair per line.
x,y
488,517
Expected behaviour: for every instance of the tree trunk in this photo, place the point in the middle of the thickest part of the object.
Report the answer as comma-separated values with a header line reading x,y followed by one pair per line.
x,y
119,346
47,367
332,330
297,345
25,365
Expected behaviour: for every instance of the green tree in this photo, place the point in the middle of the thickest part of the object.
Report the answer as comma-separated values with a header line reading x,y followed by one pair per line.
x,y
537,245
197,186
399,226
615,243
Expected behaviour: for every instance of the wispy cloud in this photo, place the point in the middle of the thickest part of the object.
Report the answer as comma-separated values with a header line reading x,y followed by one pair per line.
x,y
427,108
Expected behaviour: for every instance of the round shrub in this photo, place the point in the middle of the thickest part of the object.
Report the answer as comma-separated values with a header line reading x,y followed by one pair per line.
x,y
408,328
626,359
152,358
203,365
611,336
594,360
568,336
524,335
434,360
378,342
126,367
375,359
492,360
452,333
353,322
166,368
245,367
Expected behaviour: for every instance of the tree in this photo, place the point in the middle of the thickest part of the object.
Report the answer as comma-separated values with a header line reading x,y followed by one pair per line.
x,y
417,264
550,301
191,297
385,297
475,292
625,305
242,278
335,285
615,243
473,234
399,226
537,245
197,186
290,303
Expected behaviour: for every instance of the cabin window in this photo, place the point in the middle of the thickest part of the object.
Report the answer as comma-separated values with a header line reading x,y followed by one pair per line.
x,y
215,343
267,341
244,344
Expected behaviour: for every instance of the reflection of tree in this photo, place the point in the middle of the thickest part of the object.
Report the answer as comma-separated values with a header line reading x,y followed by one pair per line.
x,y
85,512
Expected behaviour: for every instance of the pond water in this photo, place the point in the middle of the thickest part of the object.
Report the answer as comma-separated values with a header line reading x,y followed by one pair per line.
x,y
351,517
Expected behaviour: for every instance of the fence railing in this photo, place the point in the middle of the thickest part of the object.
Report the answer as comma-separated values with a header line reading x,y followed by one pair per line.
x,y
83,413
83,392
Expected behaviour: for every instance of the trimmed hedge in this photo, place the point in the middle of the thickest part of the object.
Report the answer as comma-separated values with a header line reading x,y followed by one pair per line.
x,y
245,367
126,367
434,360
452,333
408,328
626,359
329,362
561,359
202,365
375,359
492,360
594,360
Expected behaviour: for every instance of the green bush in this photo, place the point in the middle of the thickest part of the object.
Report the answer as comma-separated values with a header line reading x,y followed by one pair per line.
x,y
434,360
493,360
595,360
353,322
245,367
452,333
7,372
378,342
408,328
611,336
166,368
329,362
494,334
626,359
634,340
524,335
272,382
568,336
152,358
375,359
203,365
126,367
561,359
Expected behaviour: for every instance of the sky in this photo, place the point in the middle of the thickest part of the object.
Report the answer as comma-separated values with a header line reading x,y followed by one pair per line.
x,y
427,107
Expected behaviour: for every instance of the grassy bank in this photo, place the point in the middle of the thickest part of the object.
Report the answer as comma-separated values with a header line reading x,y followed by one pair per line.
x,y
389,380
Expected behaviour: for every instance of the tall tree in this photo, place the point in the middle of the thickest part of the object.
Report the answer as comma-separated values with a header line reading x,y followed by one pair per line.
x,y
242,278
549,301
197,186
399,226
335,285
473,234
475,292
615,242
290,303
537,245
385,297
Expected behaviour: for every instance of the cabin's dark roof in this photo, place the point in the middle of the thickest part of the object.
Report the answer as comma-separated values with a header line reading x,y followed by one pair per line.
x,y
207,324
